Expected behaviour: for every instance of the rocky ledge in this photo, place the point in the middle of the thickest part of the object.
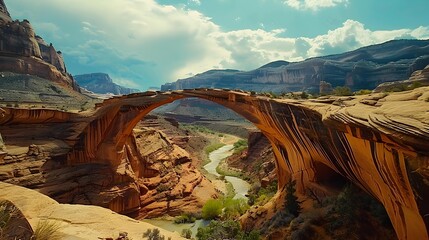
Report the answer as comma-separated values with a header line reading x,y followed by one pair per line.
x,y
74,221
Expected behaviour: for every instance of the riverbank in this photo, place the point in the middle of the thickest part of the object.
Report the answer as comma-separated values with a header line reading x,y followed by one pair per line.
x,y
240,186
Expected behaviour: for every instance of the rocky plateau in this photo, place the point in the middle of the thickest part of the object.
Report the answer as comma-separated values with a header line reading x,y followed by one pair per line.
x,y
364,68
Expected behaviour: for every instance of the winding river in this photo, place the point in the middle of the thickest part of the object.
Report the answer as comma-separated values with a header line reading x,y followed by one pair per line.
x,y
240,187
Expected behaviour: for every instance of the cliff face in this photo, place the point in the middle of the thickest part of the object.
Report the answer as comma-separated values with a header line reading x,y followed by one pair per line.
x,y
169,184
155,178
364,68
379,142
102,83
4,14
21,51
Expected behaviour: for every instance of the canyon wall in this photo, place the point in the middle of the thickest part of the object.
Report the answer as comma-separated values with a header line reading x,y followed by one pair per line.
x,y
22,51
155,176
364,68
379,142
376,141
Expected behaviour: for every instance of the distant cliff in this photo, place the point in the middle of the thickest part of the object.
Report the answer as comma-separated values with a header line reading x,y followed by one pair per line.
x,y
22,51
364,68
102,83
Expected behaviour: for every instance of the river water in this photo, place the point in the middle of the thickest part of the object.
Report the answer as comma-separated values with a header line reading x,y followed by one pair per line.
x,y
240,186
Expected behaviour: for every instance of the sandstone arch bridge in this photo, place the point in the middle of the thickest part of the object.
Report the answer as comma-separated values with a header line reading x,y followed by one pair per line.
x,y
378,142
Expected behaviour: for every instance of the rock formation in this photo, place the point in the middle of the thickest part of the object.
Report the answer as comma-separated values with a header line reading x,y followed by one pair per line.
x,y
102,83
4,14
21,51
75,221
258,162
418,78
158,179
379,142
172,185
364,68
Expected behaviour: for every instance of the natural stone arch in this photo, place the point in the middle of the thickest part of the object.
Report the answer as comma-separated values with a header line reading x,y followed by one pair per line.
x,y
301,135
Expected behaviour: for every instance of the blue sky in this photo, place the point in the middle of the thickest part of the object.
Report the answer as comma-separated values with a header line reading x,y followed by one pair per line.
x,y
145,43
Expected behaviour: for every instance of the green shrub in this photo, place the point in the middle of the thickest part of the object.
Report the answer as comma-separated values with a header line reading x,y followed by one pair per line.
x,y
240,145
343,91
186,233
363,92
184,218
304,95
154,234
225,230
234,208
212,209
47,230
259,195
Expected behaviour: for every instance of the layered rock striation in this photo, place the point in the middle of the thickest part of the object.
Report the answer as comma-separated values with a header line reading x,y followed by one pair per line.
x,y
379,142
364,68
21,51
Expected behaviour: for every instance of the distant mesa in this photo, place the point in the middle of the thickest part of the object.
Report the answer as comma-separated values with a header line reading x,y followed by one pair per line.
x,y
275,64
102,83
364,68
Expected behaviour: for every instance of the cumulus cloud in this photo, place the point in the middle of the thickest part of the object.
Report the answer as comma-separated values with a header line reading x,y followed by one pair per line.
x,y
353,34
313,4
143,43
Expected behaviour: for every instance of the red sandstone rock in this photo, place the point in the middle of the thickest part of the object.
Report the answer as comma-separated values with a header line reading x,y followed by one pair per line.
x,y
378,147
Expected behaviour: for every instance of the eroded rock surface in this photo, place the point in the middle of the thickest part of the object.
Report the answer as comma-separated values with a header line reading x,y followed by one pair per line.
x,y
75,221
21,51
379,142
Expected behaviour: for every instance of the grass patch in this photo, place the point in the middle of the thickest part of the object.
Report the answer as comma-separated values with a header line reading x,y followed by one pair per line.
x,y
240,145
47,230
7,211
213,147
230,191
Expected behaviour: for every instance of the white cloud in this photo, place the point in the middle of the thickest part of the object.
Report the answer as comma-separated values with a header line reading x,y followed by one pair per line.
x,y
313,4
353,34
145,43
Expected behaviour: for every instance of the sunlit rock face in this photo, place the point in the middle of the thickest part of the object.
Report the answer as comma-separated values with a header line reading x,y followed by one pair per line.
x,y
364,68
379,142
21,51
376,145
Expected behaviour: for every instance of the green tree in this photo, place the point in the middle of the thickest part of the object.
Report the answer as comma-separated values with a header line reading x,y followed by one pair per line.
x,y
292,204
225,230
212,209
